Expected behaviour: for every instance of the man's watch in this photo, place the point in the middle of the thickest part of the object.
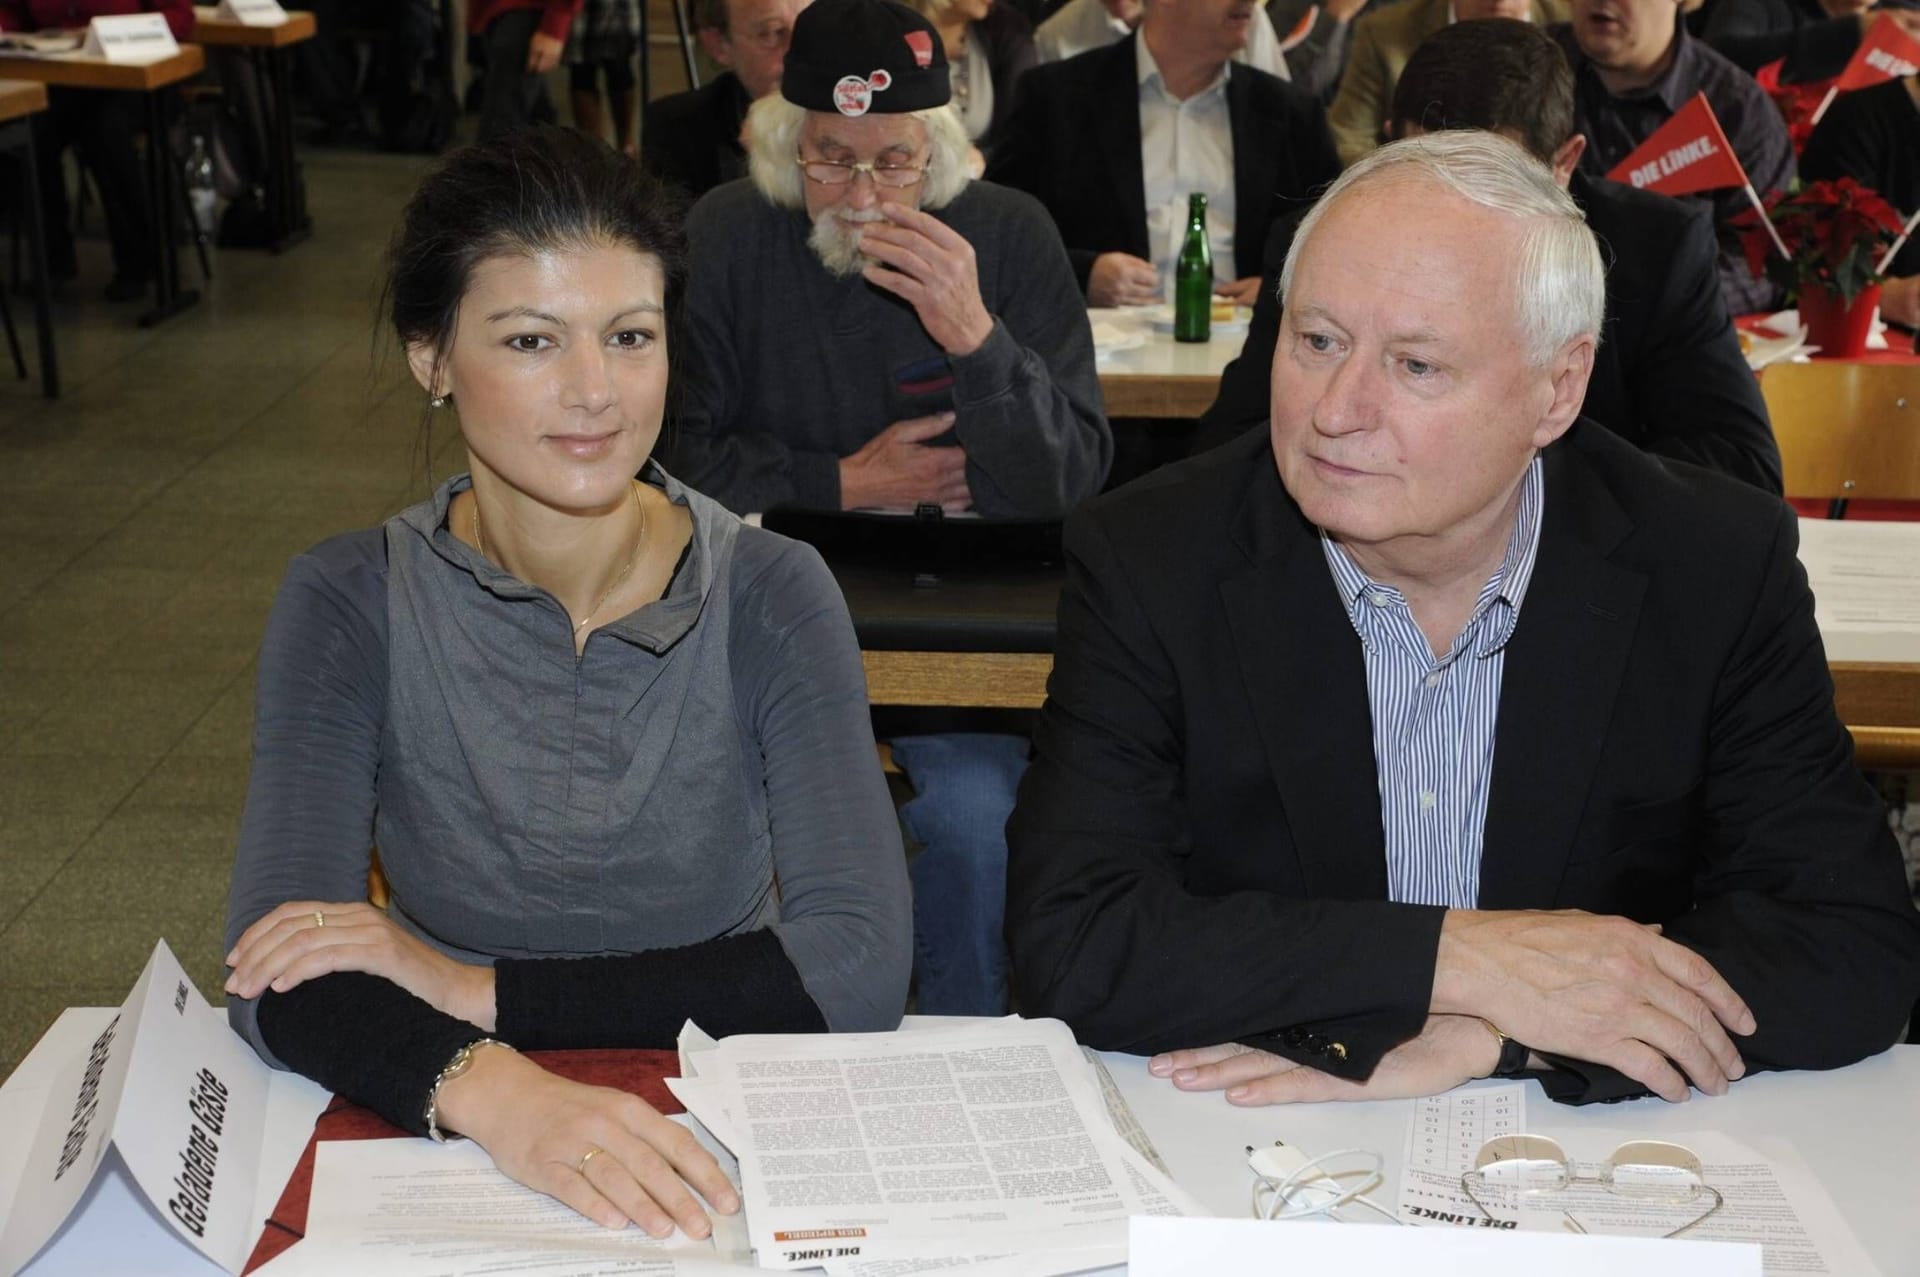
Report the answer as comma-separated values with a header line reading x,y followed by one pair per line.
x,y
1513,1055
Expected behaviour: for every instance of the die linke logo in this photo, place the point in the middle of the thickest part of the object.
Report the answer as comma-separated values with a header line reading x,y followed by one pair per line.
x,y
1887,53
854,96
1688,153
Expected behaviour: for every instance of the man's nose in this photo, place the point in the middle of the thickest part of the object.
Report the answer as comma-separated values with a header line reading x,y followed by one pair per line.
x,y
1346,402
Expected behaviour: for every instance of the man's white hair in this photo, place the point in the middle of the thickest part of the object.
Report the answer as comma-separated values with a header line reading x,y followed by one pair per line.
x,y
773,141
1560,283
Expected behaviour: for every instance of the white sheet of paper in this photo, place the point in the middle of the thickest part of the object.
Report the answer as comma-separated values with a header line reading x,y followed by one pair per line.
x,y
1230,1247
183,1101
1866,582
1442,1137
1772,1200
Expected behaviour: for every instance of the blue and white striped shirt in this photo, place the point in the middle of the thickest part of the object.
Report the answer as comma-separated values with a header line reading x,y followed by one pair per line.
x,y
1433,720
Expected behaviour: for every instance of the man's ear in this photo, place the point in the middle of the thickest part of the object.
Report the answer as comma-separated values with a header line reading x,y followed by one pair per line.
x,y
423,361
1567,157
1570,368
718,47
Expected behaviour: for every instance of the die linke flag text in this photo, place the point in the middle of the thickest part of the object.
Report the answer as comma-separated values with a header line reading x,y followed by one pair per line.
x,y
1886,53
1688,153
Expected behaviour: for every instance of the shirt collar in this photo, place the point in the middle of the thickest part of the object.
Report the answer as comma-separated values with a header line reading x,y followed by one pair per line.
x,y
1501,595
1148,71
1680,81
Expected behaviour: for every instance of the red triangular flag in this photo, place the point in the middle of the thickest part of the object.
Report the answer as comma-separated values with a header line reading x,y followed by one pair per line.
x,y
1886,53
1688,153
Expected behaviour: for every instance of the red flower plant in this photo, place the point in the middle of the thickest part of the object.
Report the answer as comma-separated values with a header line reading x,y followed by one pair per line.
x,y
1837,232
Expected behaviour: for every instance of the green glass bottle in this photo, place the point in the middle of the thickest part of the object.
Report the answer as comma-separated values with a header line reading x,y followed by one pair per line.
x,y
1193,277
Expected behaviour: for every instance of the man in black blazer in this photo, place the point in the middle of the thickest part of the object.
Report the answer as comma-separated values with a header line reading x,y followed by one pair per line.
x,y
1612,836
692,139
1074,141
1668,376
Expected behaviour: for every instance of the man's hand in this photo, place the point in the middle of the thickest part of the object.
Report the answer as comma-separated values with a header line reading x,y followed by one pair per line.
x,y
538,1127
1121,279
543,53
1242,292
898,468
1900,301
1604,989
929,265
1451,1049
289,946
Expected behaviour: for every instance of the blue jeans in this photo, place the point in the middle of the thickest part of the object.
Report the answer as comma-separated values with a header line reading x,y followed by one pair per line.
x,y
963,793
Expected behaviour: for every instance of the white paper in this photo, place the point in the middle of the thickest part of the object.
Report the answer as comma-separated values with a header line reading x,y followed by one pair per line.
x,y
1445,1133
184,1102
130,38
860,1145
1772,1201
1866,577
253,13
1229,1247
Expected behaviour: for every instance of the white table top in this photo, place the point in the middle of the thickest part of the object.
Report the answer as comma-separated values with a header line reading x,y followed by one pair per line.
x,y
1854,1127
1159,355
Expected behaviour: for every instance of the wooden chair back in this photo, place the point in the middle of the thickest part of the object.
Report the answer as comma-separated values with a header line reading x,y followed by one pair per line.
x,y
1846,430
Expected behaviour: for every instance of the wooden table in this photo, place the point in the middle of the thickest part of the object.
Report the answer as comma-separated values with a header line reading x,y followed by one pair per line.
x,y
1160,377
20,99
986,640
287,219
163,178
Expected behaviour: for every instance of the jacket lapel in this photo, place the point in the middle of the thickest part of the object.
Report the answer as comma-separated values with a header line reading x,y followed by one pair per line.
x,y
1307,687
1118,136
1256,171
1557,690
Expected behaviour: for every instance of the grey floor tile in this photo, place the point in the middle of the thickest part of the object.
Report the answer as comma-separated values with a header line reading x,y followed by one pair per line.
x,y
134,714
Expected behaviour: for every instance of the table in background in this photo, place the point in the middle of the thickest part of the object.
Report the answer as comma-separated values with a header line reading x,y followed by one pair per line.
x,y
20,100
985,640
1852,1127
1162,377
163,181
287,219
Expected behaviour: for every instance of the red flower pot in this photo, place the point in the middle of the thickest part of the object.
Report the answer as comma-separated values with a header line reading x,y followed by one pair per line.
x,y
1839,328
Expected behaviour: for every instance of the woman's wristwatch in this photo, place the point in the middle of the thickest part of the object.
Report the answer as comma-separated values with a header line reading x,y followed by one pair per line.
x,y
462,1061
1513,1055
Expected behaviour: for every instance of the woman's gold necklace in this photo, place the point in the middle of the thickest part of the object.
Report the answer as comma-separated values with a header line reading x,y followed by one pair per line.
x,y
640,539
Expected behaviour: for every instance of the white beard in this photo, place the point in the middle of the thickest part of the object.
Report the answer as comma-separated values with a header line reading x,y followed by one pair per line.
x,y
837,244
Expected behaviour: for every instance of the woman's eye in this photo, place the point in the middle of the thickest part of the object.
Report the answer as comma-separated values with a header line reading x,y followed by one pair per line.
x,y
633,339
528,343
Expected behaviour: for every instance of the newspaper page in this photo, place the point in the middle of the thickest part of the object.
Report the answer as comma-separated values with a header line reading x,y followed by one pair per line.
x,y
852,1143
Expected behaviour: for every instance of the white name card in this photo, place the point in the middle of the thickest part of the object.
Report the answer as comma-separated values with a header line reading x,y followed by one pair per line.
x,y
182,1101
131,37
252,13
1165,1247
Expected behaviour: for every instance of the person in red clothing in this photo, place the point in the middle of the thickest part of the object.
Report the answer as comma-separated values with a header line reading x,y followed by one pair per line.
x,y
523,40
100,127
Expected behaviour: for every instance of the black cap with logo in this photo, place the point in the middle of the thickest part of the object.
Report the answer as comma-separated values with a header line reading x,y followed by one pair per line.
x,y
857,57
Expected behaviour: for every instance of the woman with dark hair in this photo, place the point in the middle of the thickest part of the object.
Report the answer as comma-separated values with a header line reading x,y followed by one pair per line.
x,y
611,742
989,47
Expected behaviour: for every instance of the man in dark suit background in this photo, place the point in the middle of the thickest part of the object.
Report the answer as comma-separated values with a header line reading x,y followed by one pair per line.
x,y
693,139
1114,140
1668,376
1438,733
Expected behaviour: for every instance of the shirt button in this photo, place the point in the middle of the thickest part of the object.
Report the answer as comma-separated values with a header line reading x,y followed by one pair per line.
x,y
1433,679
1427,800
1377,597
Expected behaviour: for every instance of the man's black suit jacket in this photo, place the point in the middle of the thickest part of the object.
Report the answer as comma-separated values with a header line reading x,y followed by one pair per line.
x,y
692,139
1074,142
1196,855
1668,377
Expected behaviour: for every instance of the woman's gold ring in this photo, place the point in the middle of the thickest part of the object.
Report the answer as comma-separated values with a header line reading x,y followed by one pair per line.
x,y
590,1154
319,919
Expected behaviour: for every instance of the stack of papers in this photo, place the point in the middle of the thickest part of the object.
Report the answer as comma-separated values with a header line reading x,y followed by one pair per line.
x,y
988,1145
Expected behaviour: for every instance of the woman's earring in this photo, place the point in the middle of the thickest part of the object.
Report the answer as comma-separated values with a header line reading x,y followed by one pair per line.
x,y
437,401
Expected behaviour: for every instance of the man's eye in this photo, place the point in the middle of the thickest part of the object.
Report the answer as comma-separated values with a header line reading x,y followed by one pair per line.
x,y
1418,367
1318,343
528,343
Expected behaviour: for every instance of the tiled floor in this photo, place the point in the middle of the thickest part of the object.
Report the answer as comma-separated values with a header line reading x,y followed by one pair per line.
x,y
144,522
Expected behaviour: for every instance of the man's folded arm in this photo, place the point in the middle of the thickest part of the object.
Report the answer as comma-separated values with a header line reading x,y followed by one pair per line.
x,y
1801,900
1104,931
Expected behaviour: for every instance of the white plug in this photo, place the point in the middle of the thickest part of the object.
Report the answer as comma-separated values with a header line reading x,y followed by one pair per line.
x,y
1279,1164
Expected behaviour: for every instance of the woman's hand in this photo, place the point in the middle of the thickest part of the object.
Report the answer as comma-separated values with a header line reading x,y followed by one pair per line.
x,y
307,938
540,1127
